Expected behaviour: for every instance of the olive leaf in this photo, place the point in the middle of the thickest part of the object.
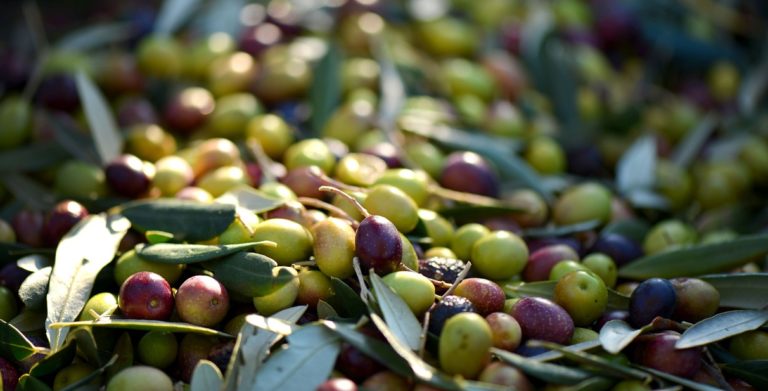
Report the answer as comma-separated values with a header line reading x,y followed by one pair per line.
x,y
679,380
87,346
636,168
72,139
29,191
82,253
93,36
550,373
249,274
694,140
141,324
561,230
371,347
13,344
46,154
303,364
754,372
325,91
124,351
206,376
607,367
740,290
396,312
254,348
29,383
55,362
108,139
325,310
91,376
185,220
173,14
33,263
249,198
34,288
553,355
157,237
697,259
421,369
175,253
345,300
616,335
721,326
29,321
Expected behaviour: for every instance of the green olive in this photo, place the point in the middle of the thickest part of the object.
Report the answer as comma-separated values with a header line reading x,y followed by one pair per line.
x,y
465,237
310,152
359,169
294,242
394,204
130,262
272,132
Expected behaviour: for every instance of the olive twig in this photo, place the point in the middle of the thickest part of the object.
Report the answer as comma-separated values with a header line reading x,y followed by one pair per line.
x,y
262,160
710,365
364,292
467,198
335,210
352,200
424,331
459,279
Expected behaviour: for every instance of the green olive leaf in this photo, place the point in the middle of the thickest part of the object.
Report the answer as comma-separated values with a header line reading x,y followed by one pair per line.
x,y
303,364
607,367
175,253
754,372
124,351
46,155
251,199
86,345
561,230
679,380
29,321
141,324
694,140
205,377
94,36
721,326
549,373
396,312
54,362
82,253
740,290
346,301
34,195
13,344
325,91
249,274
34,262
107,137
371,347
33,290
616,335
186,220
173,14
553,355
29,383
698,259
157,237
91,376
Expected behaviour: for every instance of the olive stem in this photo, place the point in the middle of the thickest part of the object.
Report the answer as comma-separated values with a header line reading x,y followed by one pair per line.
x,y
364,292
262,160
352,200
335,210
424,331
468,198
714,371
459,279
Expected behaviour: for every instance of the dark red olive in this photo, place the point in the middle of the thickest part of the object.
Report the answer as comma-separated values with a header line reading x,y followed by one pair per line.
x,y
378,245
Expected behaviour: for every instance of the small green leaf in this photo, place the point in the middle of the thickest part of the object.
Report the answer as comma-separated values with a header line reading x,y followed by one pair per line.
x,y
87,346
616,335
249,198
53,363
637,167
549,373
124,351
29,321
91,376
634,229
419,367
562,230
754,372
94,36
698,259
398,315
325,310
694,140
546,289
608,367
553,355
346,301
205,377
721,326
82,253
30,192
679,380
141,324
72,139
29,383
13,344
109,141
740,290
254,347
325,91
157,237
186,220
272,324
176,254
173,14
249,274
475,211
371,347
33,290
304,364
45,155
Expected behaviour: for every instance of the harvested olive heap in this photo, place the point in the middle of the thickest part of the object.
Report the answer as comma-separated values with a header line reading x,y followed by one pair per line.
x,y
384,195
